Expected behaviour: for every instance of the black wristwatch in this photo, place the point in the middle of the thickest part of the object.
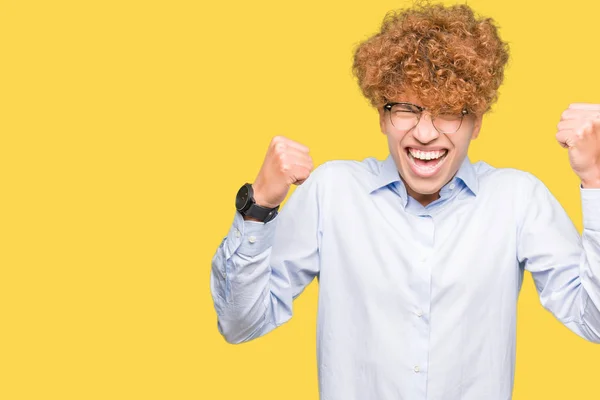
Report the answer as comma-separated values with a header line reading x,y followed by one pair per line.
x,y
245,204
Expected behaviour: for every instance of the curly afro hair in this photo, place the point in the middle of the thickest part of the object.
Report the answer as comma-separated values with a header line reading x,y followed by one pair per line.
x,y
449,58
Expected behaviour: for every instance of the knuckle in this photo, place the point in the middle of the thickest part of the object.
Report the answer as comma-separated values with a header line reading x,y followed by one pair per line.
x,y
279,147
278,141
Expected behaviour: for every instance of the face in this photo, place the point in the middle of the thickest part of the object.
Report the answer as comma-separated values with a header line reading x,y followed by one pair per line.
x,y
425,158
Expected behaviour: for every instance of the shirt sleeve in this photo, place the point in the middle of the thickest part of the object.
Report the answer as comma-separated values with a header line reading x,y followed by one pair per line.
x,y
260,268
565,265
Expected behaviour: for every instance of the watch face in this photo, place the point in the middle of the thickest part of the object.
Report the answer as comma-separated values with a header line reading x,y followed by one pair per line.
x,y
242,198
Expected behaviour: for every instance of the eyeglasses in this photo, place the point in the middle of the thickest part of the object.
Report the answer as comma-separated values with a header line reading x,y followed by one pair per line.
x,y
405,116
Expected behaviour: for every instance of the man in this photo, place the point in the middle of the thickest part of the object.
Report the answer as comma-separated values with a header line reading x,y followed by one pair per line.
x,y
420,257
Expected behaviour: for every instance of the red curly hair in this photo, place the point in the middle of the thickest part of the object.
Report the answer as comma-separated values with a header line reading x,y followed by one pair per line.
x,y
448,57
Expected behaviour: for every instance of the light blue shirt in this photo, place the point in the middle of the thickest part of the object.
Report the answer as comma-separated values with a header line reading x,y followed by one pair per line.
x,y
414,302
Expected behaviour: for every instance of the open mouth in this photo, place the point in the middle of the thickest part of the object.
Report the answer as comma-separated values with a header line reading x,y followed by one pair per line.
x,y
426,163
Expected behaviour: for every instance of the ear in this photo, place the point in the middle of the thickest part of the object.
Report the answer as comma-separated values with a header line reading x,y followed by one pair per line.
x,y
382,120
476,127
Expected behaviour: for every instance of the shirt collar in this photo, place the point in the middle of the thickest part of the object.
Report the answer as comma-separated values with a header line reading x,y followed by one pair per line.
x,y
466,173
388,174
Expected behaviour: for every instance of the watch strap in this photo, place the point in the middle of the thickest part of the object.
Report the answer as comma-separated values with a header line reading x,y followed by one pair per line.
x,y
262,214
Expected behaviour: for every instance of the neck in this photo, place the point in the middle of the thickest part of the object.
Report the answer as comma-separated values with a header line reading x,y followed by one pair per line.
x,y
424,199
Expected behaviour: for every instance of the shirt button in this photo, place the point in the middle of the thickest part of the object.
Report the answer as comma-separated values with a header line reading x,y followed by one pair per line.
x,y
419,313
237,233
452,186
252,239
416,368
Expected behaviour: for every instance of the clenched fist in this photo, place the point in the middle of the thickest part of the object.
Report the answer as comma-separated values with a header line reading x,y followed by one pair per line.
x,y
579,131
286,163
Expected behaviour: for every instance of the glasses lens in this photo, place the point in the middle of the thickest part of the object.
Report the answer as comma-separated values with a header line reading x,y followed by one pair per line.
x,y
404,116
448,123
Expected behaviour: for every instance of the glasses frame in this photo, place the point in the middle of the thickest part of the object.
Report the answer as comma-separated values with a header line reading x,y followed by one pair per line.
x,y
388,107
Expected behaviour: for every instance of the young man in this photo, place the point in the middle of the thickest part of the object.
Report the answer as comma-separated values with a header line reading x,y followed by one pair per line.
x,y
420,257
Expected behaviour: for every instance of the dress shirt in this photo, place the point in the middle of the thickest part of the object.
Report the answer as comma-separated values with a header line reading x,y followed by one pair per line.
x,y
414,302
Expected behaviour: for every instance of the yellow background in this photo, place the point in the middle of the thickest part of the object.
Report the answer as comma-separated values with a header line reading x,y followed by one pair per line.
x,y
128,126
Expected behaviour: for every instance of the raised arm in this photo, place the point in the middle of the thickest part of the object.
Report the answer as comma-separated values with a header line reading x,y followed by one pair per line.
x,y
259,268
565,266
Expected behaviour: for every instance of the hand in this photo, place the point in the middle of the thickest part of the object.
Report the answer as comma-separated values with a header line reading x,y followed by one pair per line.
x,y
579,131
286,163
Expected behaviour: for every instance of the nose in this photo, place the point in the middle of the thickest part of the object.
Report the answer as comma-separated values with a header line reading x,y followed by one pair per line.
x,y
425,132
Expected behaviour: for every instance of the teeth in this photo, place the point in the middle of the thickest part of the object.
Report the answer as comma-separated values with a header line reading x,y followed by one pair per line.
x,y
426,155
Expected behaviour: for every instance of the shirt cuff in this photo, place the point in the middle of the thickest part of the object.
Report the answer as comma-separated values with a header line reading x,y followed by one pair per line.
x,y
249,238
590,207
